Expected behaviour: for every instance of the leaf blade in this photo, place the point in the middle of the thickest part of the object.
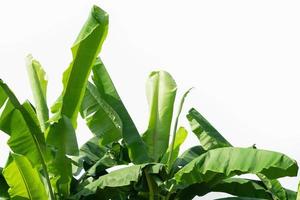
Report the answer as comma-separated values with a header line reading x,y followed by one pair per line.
x,y
38,83
136,146
216,165
23,179
161,91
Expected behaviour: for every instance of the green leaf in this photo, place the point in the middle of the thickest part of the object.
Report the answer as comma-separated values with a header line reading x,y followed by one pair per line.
x,y
238,198
38,83
234,186
161,92
84,50
102,120
136,147
119,178
19,122
96,158
24,180
243,188
3,187
62,139
179,139
174,135
209,137
66,143
274,186
187,156
218,164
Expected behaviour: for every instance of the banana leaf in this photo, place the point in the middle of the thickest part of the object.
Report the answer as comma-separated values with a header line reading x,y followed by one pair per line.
x,y
20,123
102,120
118,179
218,164
84,50
24,180
179,139
234,186
161,91
38,83
134,143
210,138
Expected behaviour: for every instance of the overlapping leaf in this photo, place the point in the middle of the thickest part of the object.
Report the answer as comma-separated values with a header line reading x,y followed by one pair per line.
x,y
119,178
130,134
102,120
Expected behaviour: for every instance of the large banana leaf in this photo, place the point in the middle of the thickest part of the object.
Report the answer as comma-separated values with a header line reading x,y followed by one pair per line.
x,y
209,137
136,147
38,83
119,178
234,186
218,164
84,50
19,122
179,139
24,180
102,120
3,187
161,91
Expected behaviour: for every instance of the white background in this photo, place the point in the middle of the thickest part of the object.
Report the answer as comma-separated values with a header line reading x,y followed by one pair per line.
x,y
241,56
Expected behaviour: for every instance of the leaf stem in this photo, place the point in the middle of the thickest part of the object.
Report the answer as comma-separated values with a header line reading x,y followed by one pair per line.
x,y
150,186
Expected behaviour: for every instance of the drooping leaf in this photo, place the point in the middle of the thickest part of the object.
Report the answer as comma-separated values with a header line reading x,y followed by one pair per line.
x,y
119,178
218,164
136,147
161,91
3,187
102,120
234,186
38,83
84,50
179,139
24,180
209,137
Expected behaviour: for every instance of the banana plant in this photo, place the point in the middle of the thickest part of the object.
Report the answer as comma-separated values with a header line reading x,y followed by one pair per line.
x,y
119,162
